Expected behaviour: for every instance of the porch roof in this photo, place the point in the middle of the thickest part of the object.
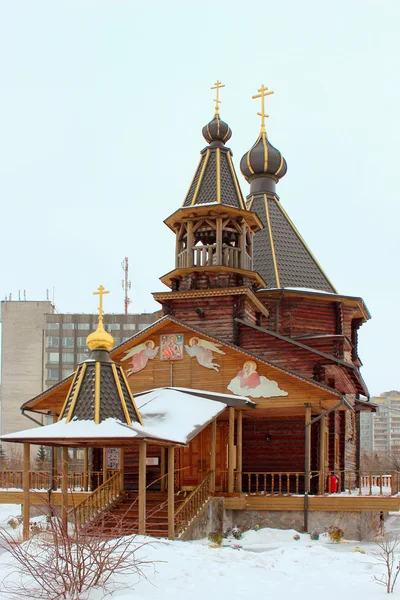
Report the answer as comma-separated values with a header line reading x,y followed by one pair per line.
x,y
171,416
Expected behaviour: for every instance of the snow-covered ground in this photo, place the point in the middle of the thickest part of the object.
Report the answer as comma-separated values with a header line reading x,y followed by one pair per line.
x,y
267,563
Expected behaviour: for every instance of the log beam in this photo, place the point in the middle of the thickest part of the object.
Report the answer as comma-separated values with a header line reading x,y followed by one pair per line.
x,y
171,492
25,513
142,487
231,449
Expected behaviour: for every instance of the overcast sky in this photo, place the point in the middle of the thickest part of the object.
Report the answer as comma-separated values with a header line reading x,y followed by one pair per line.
x,y
102,105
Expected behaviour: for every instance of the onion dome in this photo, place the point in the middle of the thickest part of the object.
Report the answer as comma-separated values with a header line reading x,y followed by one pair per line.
x,y
217,130
263,159
100,339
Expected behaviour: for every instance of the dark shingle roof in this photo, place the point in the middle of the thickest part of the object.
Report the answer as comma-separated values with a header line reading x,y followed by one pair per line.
x,y
281,256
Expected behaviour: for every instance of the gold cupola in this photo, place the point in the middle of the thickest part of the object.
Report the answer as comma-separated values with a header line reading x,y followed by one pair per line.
x,y
100,339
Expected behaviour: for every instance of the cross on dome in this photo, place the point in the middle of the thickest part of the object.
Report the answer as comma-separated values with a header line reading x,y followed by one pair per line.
x,y
217,86
263,93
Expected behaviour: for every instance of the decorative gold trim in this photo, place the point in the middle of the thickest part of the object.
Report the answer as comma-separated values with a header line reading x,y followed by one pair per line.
x,y
120,393
248,160
305,245
264,140
280,166
74,399
139,416
97,394
201,177
191,183
78,370
278,283
218,174
236,181
250,203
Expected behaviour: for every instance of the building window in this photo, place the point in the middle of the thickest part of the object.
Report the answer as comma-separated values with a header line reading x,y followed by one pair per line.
x,y
142,326
68,342
125,338
52,373
82,356
84,326
81,341
130,326
68,325
53,342
113,326
53,357
53,326
117,340
66,372
68,357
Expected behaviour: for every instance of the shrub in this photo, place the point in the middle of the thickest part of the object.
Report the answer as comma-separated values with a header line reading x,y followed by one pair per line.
x,y
314,535
14,522
215,537
237,533
296,537
386,556
335,533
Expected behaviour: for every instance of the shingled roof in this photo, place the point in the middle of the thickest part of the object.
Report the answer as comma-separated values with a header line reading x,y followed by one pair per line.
x,y
281,256
215,180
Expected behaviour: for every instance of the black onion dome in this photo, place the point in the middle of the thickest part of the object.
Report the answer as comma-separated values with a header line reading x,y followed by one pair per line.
x,y
217,131
263,159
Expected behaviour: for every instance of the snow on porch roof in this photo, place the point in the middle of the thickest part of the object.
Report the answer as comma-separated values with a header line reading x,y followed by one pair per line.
x,y
168,414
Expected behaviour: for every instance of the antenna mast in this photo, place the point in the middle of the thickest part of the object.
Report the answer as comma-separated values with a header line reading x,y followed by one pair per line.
x,y
126,283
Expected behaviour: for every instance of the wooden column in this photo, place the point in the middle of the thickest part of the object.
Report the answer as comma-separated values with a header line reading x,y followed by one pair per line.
x,y
54,452
231,449
322,455
218,241
189,238
171,492
178,247
308,438
239,434
242,244
163,470
86,469
121,469
64,488
25,513
142,487
213,453
104,465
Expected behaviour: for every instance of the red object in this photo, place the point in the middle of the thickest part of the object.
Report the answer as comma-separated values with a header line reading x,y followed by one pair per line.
x,y
332,484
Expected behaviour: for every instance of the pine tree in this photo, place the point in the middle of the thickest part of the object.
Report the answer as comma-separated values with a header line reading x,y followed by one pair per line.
x,y
41,458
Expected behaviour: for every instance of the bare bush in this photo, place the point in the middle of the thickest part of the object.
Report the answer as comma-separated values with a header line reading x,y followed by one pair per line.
x,y
386,556
66,562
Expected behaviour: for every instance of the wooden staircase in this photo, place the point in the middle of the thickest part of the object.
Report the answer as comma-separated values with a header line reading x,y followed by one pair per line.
x,y
123,518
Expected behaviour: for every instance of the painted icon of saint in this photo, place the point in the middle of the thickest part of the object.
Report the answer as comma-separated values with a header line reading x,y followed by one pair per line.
x,y
139,356
171,347
249,383
203,351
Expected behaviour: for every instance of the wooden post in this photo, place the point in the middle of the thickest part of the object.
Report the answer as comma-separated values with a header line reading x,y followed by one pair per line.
x,y
121,469
322,455
178,247
218,242
105,465
142,487
86,469
54,452
239,434
25,513
64,488
189,240
163,470
307,462
242,244
171,492
213,453
231,449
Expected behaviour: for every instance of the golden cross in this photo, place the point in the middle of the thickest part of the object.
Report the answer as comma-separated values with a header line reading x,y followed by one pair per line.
x,y
263,92
217,86
101,290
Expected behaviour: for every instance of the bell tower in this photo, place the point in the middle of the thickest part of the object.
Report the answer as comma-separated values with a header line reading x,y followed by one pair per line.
x,y
213,280
214,230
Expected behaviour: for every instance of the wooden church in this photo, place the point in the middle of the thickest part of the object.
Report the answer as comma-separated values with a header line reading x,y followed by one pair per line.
x,y
247,388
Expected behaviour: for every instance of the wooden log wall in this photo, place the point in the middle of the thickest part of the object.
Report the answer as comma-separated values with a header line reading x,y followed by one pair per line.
x,y
299,315
131,468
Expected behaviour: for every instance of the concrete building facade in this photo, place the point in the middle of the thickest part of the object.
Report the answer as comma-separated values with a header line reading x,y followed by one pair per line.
x,y
380,432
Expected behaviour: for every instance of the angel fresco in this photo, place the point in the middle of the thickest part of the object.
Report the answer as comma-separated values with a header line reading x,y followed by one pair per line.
x,y
140,355
203,351
249,383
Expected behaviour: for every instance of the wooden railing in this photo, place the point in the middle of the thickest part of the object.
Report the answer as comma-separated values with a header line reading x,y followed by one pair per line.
x,y
206,256
42,480
274,483
192,505
97,501
362,483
